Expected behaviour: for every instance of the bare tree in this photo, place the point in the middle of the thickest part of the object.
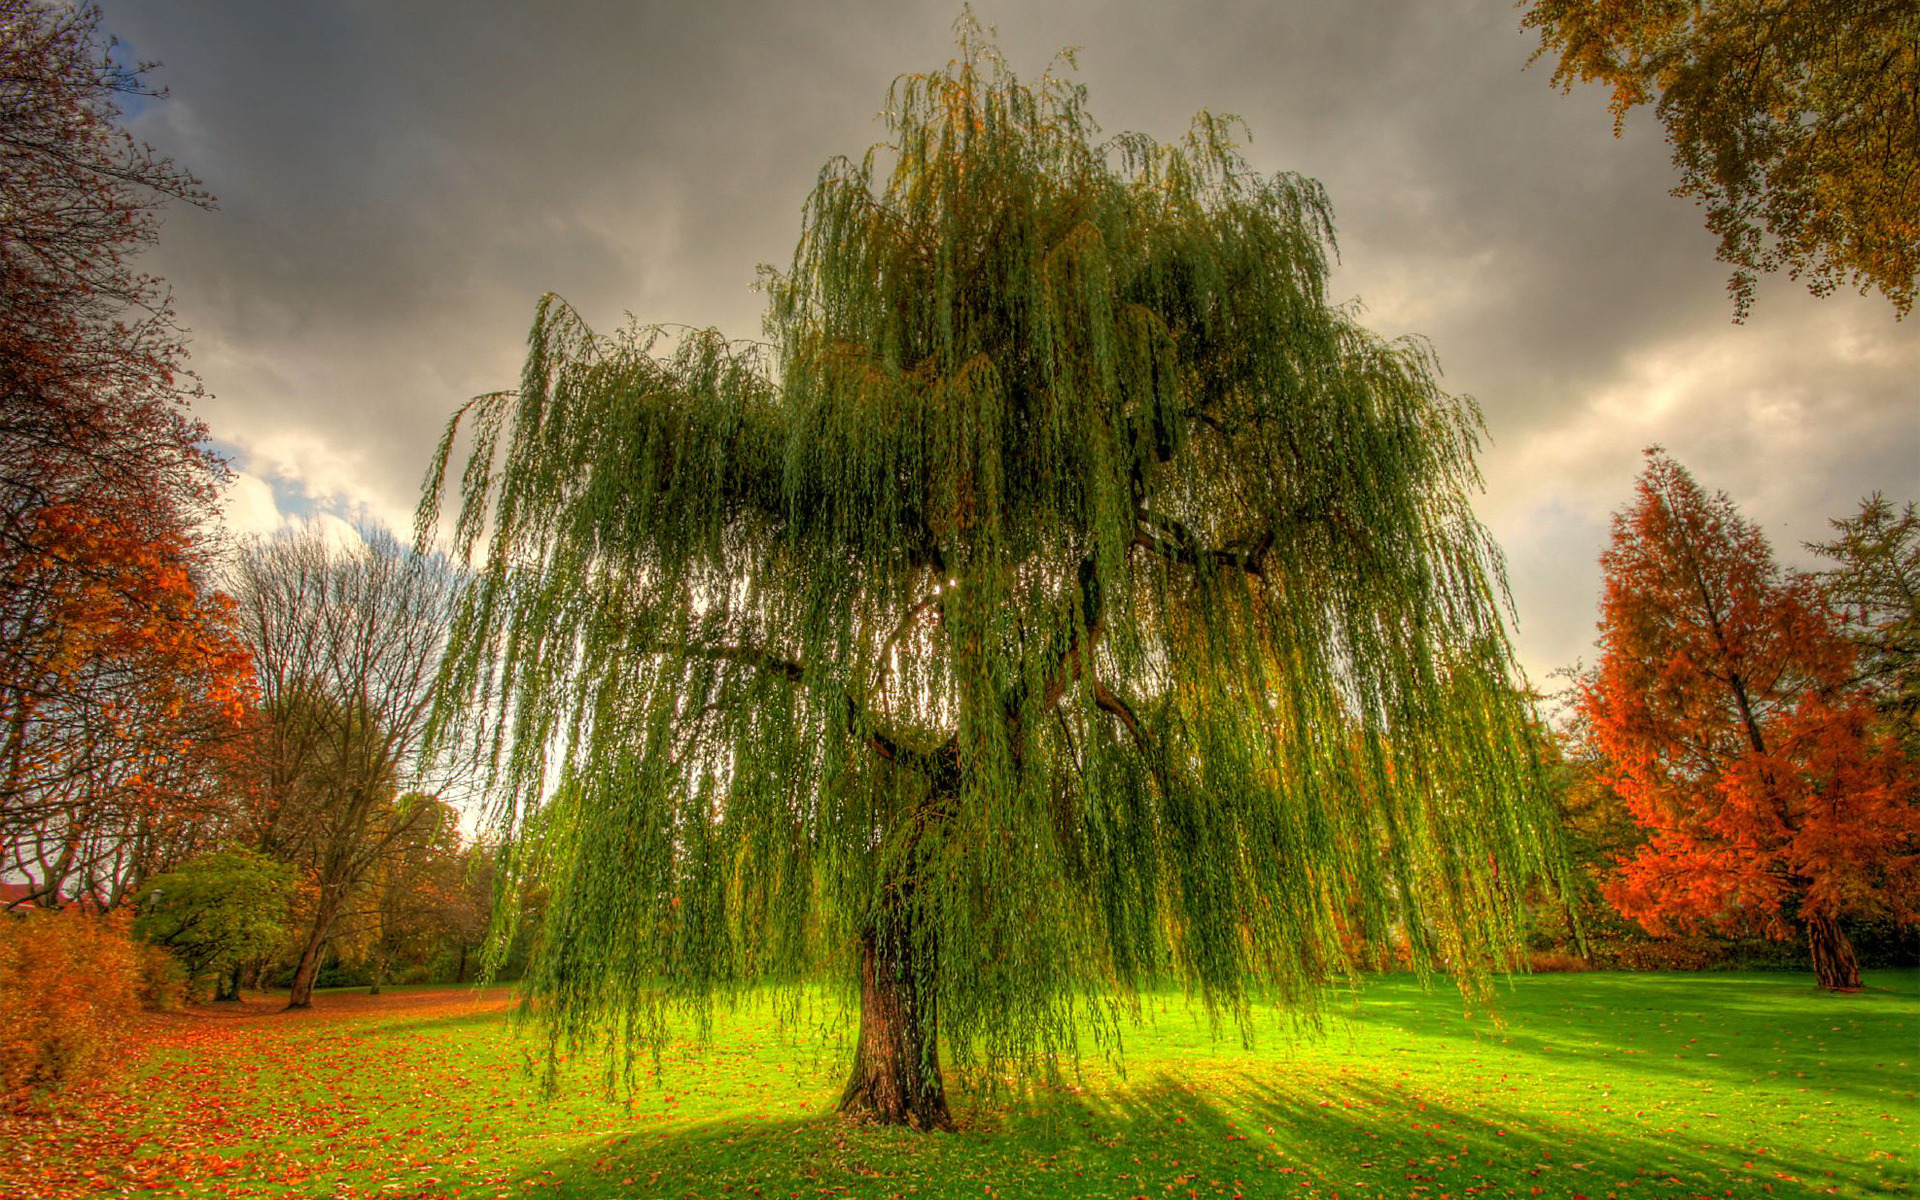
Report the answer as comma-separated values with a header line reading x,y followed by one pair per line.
x,y
346,642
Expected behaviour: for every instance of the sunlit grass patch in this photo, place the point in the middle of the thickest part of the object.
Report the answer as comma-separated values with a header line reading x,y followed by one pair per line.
x,y
1595,1085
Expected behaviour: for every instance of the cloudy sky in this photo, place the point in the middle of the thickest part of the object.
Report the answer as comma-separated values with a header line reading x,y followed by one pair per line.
x,y
399,182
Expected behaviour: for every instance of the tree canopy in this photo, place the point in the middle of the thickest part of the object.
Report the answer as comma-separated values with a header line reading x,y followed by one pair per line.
x,y
218,911
346,642
1067,599
413,895
1874,586
1795,122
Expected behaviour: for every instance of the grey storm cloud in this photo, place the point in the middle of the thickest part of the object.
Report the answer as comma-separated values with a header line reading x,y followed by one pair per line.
x,y
399,183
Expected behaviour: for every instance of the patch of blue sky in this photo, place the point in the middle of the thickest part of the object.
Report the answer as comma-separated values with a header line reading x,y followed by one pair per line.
x,y
125,61
290,495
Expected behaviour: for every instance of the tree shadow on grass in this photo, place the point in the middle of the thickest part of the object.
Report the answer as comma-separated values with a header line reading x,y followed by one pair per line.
x,y
1713,1028
1247,1134
1520,1107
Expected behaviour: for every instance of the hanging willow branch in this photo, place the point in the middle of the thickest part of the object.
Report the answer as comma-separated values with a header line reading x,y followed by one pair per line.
x,y
1069,584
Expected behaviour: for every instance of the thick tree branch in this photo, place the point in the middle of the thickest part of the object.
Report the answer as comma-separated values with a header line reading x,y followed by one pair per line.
x,y
860,719
1171,539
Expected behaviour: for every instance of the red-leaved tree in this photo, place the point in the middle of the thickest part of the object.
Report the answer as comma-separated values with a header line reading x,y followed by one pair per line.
x,y
121,682
1721,712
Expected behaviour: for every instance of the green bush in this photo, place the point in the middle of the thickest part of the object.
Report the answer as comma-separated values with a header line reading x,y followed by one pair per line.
x,y
217,912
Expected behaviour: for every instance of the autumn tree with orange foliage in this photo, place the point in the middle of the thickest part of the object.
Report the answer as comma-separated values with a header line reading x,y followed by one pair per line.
x,y
121,685
1721,712
127,701
94,393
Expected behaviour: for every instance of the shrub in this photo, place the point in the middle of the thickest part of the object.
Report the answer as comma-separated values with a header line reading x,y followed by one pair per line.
x,y
333,974
69,983
162,978
1556,962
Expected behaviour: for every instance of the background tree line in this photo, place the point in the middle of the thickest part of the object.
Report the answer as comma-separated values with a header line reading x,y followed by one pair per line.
x,y
224,738
319,836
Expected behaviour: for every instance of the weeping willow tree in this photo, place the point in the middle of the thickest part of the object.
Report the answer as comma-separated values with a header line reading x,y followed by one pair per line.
x,y
1066,600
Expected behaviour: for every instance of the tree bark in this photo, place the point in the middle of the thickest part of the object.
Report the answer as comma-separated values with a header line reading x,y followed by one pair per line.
x,y
228,987
1834,964
896,1066
301,995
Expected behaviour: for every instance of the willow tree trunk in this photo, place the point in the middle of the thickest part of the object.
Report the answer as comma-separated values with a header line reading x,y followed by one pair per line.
x,y
1834,964
896,1066
228,985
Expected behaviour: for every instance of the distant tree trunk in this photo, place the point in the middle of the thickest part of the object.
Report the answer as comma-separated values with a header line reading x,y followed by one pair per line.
x,y
896,1065
1834,964
301,995
227,985
460,972
379,976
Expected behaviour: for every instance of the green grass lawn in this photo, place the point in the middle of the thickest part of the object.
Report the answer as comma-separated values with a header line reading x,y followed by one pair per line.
x,y
1598,1086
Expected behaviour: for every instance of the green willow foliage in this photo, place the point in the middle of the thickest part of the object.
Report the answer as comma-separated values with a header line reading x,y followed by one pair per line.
x,y
1068,584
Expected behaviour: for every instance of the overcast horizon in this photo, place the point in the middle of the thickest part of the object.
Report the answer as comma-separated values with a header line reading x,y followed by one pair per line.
x,y
398,186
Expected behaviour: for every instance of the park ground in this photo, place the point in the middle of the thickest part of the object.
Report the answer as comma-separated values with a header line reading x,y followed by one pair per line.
x,y
1597,1085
